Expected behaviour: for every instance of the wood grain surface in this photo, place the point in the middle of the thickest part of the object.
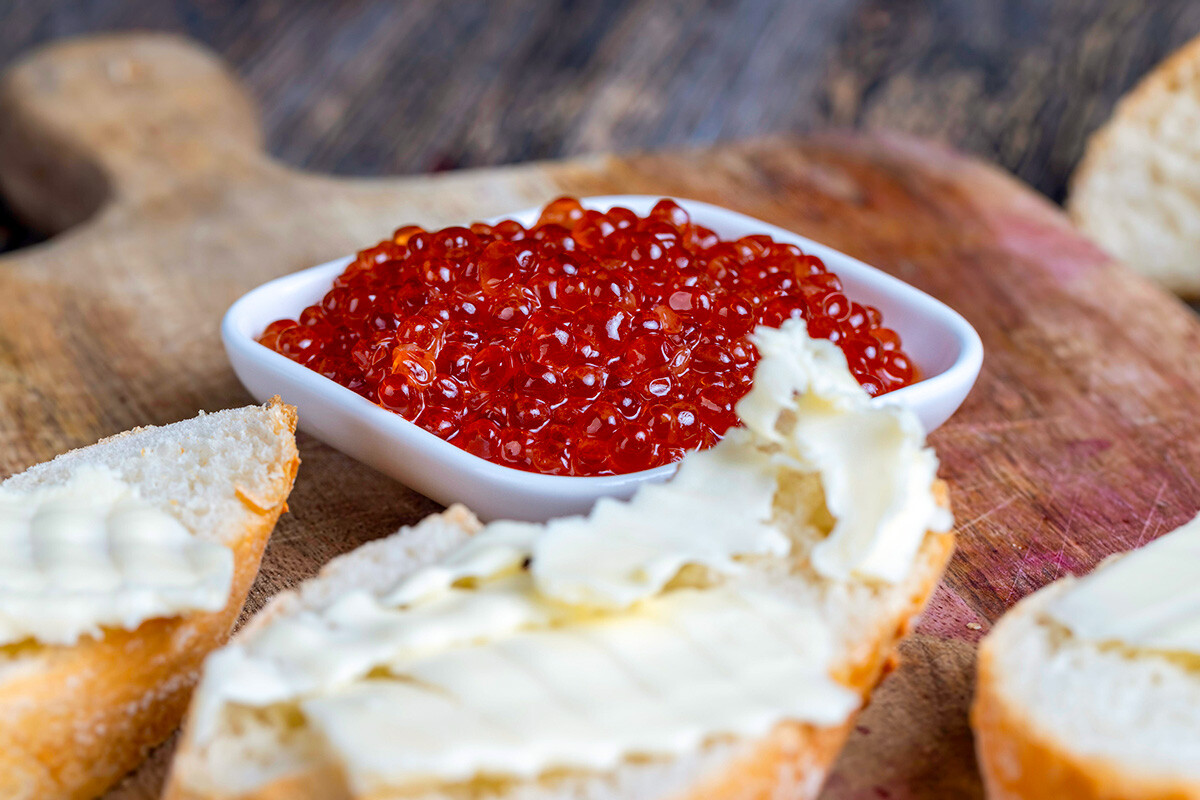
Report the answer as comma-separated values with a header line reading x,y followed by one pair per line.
x,y
372,87
1080,439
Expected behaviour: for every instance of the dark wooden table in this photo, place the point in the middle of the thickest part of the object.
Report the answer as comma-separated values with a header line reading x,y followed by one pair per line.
x,y
373,87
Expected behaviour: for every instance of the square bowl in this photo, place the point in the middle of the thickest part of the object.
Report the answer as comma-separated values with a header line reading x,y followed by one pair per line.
x,y
944,346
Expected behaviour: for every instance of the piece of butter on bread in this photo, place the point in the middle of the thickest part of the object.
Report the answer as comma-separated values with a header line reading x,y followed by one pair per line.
x,y
122,565
90,553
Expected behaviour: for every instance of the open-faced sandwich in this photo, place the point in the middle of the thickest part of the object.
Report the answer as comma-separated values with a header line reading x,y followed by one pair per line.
x,y
713,637
122,565
1090,687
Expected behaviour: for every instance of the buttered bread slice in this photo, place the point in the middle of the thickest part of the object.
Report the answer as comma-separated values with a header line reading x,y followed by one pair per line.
x,y
712,637
1090,687
122,565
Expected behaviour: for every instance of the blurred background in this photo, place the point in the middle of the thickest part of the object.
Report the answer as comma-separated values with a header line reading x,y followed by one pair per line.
x,y
372,87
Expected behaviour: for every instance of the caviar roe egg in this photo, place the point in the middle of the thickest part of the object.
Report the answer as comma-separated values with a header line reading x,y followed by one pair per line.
x,y
592,343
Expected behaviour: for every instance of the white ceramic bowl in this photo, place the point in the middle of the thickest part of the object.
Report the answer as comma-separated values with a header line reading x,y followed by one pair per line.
x,y
940,341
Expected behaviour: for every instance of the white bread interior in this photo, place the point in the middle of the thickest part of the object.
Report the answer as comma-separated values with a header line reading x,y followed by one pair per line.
x,y
1057,716
1137,190
268,753
74,719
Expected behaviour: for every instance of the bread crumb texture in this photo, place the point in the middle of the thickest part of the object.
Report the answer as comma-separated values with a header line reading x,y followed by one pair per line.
x,y
1137,190
187,468
1133,712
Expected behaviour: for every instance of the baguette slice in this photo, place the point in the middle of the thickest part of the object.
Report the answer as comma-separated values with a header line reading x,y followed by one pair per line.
x,y
1059,717
272,758
74,719
1137,189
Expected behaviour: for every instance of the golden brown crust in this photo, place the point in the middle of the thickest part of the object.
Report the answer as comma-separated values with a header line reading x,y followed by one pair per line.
x,y
791,762
800,755
1020,762
74,720
1165,79
320,783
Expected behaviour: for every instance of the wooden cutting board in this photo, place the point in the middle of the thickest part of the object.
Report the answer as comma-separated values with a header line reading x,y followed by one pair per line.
x,y
1080,439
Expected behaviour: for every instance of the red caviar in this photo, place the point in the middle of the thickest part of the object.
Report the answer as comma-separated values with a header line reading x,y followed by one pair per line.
x,y
590,344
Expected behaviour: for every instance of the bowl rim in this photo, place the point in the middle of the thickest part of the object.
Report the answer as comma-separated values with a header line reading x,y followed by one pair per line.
x,y
237,337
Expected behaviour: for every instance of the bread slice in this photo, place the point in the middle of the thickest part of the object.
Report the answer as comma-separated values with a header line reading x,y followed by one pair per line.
x,y
74,719
1137,190
1056,716
265,757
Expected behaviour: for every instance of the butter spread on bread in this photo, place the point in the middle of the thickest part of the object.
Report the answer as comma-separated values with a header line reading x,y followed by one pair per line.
x,y
90,554
876,471
1147,599
642,630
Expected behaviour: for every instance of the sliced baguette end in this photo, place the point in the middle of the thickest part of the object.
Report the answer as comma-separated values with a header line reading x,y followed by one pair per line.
x,y
1136,191
74,720
1019,759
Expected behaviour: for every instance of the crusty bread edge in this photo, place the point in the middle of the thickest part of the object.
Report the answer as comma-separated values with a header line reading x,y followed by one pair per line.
x,y
1020,761
74,728
792,761
1160,79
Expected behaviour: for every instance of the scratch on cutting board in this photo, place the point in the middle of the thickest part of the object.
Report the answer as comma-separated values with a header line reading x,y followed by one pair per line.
x,y
1012,590
1059,561
1070,514
1182,472
1150,515
964,527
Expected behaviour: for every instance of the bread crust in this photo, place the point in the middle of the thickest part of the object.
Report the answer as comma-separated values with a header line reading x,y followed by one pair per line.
x,y
1018,761
1165,79
1162,79
792,761
75,719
